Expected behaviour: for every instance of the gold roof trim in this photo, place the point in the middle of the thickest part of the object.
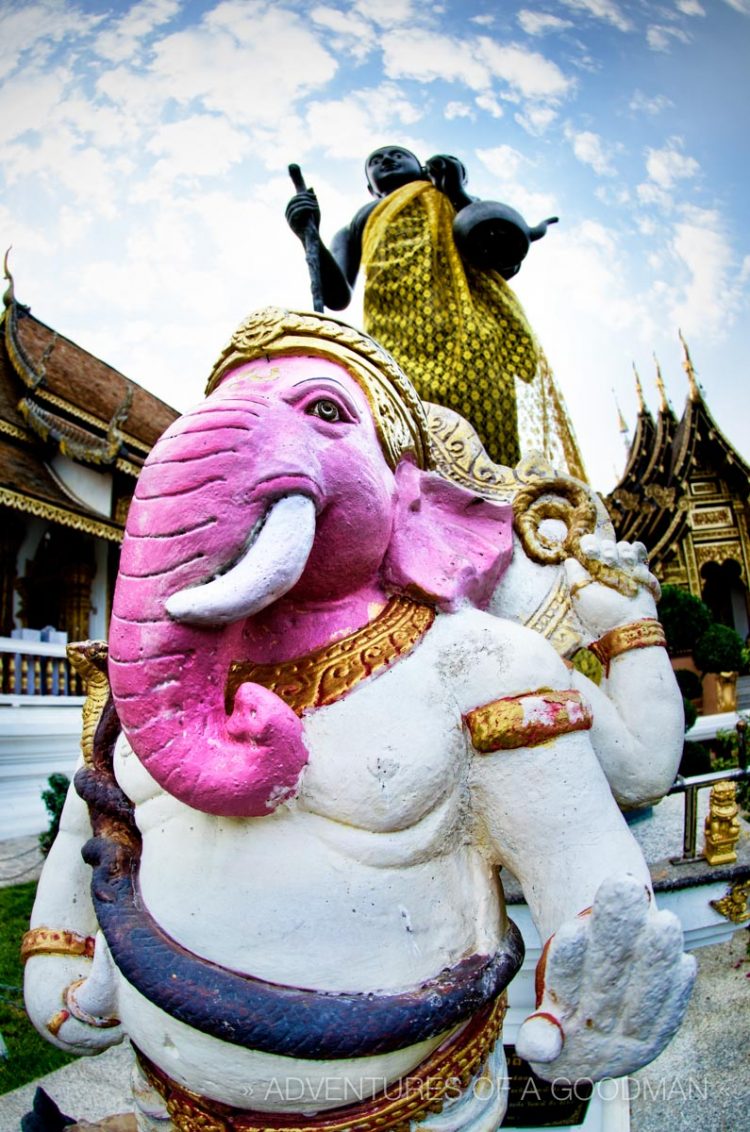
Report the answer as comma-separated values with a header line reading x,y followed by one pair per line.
x,y
42,510
13,430
89,418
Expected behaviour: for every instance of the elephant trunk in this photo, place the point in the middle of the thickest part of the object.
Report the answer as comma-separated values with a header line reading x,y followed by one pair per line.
x,y
189,577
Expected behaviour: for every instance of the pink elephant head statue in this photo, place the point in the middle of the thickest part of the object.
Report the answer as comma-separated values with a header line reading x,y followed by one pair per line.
x,y
279,514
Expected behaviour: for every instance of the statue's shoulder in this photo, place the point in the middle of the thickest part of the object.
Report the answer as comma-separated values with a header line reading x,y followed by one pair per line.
x,y
473,634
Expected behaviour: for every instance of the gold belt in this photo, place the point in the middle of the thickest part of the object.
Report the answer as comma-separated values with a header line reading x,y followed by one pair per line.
x,y
425,1089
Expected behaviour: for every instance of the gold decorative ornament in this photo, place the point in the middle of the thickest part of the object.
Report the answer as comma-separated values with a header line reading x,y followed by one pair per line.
x,y
325,675
56,1021
397,410
89,660
734,906
554,619
426,1089
56,941
722,827
527,720
638,635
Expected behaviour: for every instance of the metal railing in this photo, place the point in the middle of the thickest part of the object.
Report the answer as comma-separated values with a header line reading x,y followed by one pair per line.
x,y
33,669
690,787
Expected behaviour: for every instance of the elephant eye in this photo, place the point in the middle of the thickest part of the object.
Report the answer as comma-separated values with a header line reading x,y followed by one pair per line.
x,y
326,409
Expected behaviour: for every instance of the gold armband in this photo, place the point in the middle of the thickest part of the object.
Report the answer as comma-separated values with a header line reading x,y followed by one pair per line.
x,y
527,720
638,635
56,941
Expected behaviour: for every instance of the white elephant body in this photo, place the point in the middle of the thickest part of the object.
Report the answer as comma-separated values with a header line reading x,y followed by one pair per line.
x,y
367,881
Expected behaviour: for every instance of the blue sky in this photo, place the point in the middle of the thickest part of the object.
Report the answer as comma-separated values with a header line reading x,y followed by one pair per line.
x,y
143,154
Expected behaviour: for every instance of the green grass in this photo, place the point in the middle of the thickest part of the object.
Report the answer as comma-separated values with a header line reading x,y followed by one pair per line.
x,y
29,1056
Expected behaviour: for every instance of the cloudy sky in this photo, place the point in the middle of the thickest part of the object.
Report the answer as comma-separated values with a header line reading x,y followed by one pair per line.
x,y
144,146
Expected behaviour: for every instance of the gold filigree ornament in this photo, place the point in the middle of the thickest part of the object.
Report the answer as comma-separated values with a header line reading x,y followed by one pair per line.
x,y
424,1090
734,906
89,659
399,417
325,675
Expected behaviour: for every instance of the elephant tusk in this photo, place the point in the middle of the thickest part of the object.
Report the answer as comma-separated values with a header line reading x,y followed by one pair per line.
x,y
268,568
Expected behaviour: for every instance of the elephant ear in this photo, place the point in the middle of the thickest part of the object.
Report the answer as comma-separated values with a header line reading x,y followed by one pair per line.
x,y
449,546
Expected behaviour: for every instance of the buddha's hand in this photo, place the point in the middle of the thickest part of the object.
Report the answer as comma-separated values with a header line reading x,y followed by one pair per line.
x,y
612,988
446,173
611,584
303,208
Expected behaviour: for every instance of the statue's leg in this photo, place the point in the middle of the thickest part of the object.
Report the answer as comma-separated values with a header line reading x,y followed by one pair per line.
x,y
150,1110
481,1106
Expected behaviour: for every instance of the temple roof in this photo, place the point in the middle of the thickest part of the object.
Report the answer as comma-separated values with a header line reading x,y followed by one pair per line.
x,y
56,398
651,501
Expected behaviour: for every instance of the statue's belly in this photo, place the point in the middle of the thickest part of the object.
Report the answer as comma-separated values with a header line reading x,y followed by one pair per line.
x,y
276,898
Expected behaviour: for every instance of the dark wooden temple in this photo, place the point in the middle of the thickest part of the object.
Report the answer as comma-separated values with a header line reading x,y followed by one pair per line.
x,y
685,493
73,437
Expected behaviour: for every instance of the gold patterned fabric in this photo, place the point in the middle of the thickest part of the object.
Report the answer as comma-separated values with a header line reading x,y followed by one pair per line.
x,y
458,333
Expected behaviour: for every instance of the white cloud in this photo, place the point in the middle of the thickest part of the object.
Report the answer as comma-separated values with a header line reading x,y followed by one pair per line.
x,y
387,13
536,119
606,10
30,32
509,181
457,110
642,103
590,149
668,165
340,127
427,56
503,161
490,104
708,300
200,146
539,23
527,72
350,32
485,21
29,101
123,39
246,61
59,161
690,7
659,36
741,6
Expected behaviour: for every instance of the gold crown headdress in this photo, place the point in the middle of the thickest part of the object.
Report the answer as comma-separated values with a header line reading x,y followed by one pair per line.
x,y
398,413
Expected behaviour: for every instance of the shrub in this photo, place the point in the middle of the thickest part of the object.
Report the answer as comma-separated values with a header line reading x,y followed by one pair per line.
x,y
719,649
695,760
54,800
683,617
689,683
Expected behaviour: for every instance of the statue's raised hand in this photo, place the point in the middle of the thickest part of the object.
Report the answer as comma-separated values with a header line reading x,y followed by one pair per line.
x,y
303,208
612,586
612,988
446,173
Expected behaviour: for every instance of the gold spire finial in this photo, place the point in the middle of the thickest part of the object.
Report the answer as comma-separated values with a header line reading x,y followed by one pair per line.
x,y
10,294
622,423
664,405
687,365
639,391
